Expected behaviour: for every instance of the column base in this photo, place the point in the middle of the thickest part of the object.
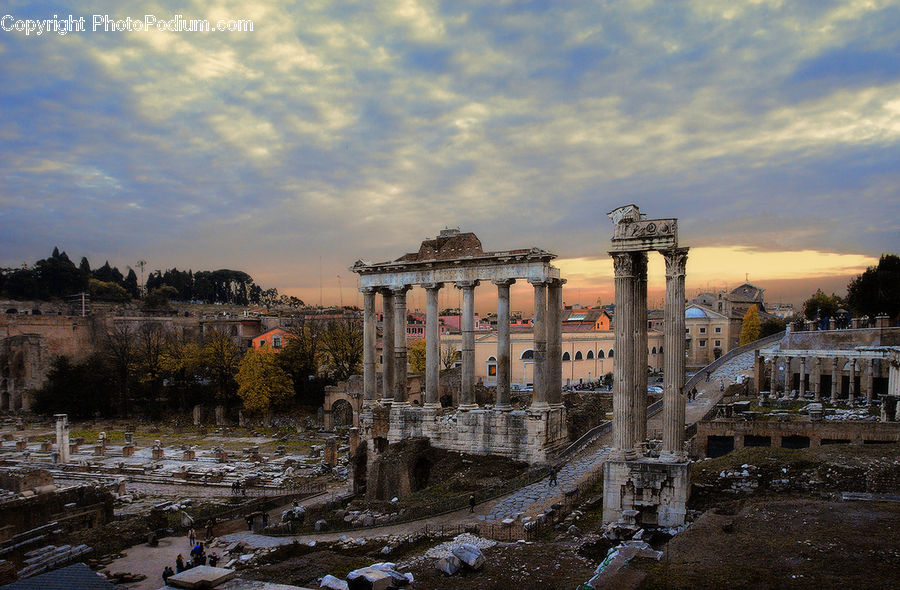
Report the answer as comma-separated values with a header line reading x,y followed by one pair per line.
x,y
403,404
467,407
386,402
503,407
539,407
432,406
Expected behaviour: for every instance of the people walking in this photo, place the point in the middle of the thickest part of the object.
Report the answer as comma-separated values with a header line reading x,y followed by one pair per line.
x,y
179,563
553,471
167,573
209,529
191,537
472,503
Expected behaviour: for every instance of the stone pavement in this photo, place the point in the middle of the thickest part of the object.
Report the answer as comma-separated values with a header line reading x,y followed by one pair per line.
x,y
541,492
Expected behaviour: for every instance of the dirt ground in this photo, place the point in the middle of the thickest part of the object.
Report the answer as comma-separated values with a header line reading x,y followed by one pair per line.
x,y
797,543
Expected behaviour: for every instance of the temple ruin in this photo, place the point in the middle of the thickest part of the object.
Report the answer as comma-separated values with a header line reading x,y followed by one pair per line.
x,y
456,258
639,487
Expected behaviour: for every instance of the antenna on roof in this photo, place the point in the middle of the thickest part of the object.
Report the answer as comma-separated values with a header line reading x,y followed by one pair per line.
x,y
746,277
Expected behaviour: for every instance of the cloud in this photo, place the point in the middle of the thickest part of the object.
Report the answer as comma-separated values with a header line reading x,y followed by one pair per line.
x,y
348,130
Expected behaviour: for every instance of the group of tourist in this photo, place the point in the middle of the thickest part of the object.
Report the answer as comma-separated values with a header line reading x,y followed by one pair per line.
x,y
198,554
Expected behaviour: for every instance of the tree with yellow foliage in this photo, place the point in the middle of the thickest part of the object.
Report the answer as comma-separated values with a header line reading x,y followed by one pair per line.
x,y
750,326
262,384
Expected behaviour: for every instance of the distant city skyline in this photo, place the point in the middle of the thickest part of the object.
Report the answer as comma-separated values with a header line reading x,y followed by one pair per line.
x,y
334,132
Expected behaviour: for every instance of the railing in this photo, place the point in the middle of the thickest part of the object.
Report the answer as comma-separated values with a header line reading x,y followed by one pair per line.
x,y
701,374
597,431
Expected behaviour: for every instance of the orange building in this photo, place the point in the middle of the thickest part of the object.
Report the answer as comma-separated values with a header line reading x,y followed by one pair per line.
x,y
275,339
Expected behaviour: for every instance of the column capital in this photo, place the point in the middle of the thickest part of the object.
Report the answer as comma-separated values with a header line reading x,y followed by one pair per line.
x,y
385,291
676,260
368,290
556,282
466,284
432,286
623,264
504,282
539,282
400,289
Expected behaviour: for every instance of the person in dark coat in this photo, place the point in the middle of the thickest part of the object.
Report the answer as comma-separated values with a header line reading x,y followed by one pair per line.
x,y
167,572
179,563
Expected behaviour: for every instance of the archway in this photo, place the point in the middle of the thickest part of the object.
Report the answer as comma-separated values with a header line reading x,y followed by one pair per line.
x,y
420,473
341,414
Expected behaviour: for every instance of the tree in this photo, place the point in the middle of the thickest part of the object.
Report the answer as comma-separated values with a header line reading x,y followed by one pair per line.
x,y
182,364
416,355
771,326
300,358
750,326
342,347
119,348
449,356
152,340
107,291
159,297
877,290
219,359
821,305
77,389
131,284
262,384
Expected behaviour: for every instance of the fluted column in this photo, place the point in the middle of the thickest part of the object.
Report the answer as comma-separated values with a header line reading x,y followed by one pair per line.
x,y
639,327
387,346
400,364
870,378
835,380
673,370
370,386
503,360
539,397
852,390
788,374
554,341
623,371
466,394
802,385
432,346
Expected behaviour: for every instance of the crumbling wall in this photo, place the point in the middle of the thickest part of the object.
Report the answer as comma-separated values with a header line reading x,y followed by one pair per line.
x,y
79,507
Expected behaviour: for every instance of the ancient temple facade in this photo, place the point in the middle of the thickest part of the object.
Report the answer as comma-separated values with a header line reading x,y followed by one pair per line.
x,y
639,487
456,260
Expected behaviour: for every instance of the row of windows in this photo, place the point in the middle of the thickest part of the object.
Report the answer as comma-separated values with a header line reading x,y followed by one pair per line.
x,y
703,330
716,343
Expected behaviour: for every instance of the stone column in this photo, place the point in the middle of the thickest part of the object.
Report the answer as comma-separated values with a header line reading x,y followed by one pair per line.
x,y
852,390
816,379
466,394
623,366
673,370
893,373
432,346
370,386
835,380
870,377
788,375
554,341
639,329
400,367
503,360
387,346
62,437
802,385
539,396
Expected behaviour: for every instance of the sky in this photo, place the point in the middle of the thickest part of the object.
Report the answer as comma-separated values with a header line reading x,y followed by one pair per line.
x,y
337,131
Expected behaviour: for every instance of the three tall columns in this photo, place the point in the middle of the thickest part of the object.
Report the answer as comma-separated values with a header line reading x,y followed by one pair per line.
x,y
466,393
630,368
503,359
432,346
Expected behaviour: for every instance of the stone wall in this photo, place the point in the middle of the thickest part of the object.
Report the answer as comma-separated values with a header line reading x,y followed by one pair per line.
x,y
817,433
649,491
521,435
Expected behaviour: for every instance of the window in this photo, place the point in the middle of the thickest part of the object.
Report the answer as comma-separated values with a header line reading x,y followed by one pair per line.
x,y
579,356
262,342
611,351
717,343
687,330
590,355
660,350
600,354
527,355
703,330
654,350
276,342
718,330
702,343
566,356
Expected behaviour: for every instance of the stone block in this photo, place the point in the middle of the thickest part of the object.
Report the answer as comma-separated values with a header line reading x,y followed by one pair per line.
x,y
470,555
368,578
128,451
449,565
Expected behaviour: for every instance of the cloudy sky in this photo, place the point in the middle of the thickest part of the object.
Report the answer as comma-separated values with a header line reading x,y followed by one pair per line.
x,y
343,130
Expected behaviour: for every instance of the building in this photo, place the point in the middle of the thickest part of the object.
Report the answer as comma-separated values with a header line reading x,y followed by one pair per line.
x,y
276,338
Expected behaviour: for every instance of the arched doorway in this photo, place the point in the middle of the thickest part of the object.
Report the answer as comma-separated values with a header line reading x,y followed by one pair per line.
x,y
341,414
